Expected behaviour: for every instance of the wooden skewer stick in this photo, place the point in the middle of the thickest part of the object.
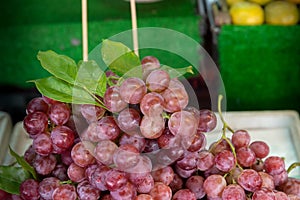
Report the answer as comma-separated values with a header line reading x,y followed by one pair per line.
x,y
134,27
84,30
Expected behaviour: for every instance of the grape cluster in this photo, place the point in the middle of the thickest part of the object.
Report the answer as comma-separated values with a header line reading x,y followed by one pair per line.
x,y
145,143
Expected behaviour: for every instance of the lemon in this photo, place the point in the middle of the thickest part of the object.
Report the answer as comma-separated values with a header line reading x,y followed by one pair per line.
x,y
281,13
246,13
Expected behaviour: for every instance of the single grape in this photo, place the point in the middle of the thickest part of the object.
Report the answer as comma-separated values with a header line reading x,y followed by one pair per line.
x,y
126,157
166,157
189,161
267,180
143,165
91,113
143,182
205,160
86,191
112,99
264,194
177,183
152,127
132,90
129,120
281,178
104,151
184,194
152,104
260,148
115,179
195,184
37,104
175,96
183,123
245,157
35,123
107,129
143,197
217,147
62,137
158,80
60,172
274,165
164,175
76,173
240,138
47,186
44,165
214,185
136,141
81,155
127,192
65,192
29,190
97,177
59,113
207,121
42,144
233,192
198,142
225,161
161,191
250,180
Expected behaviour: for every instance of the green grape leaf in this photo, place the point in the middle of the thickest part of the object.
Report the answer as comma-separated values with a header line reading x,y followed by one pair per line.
x,y
60,66
120,59
60,90
91,77
177,72
11,178
23,163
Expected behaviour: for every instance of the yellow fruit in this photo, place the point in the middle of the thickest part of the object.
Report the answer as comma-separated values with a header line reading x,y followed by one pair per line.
x,y
246,13
281,13
260,2
231,2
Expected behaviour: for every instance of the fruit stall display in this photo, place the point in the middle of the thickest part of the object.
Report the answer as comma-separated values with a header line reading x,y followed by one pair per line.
x,y
121,135
258,52
27,27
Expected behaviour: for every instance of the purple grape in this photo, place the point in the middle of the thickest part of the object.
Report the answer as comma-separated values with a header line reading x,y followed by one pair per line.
x,y
29,190
59,113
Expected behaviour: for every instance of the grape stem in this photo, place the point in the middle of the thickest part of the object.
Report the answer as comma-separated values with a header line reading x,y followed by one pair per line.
x,y
66,182
226,126
293,166
101,104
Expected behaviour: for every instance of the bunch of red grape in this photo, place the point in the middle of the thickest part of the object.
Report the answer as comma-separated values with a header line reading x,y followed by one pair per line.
x,y
146,143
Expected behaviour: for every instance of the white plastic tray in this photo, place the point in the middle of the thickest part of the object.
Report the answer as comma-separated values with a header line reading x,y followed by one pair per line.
x,y
280,129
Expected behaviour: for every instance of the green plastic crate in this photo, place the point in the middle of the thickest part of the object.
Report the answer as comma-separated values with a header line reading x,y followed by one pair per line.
x,y
260,66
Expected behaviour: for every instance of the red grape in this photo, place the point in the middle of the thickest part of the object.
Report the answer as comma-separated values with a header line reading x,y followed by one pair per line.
x,y
29,190
225,161
161,191
81,155
62,137
37,104
47,186
86,191
65,192
240,138
76,173
91,113
207,121
42,144
195,184
158,80
214,185
104,151
59,113
274,165
132,90
112,99
184,194
250,180
233,192
260,148
35,123
245,157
